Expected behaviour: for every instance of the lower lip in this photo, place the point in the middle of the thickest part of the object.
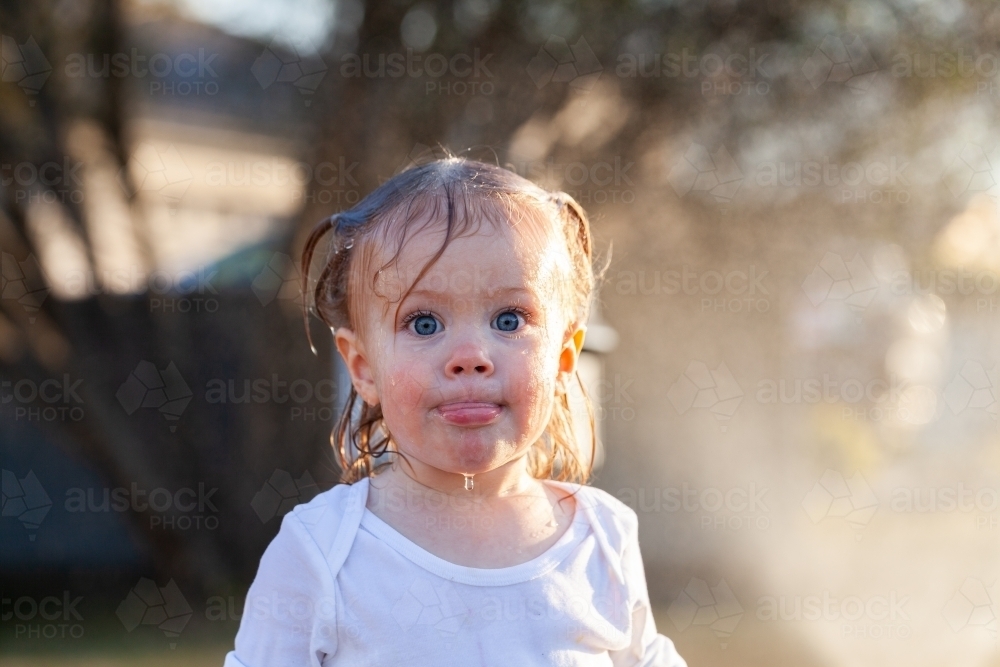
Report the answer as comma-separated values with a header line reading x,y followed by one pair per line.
x,y
469,414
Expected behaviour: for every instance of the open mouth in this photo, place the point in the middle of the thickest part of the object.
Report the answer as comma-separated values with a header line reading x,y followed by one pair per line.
x,y
470,413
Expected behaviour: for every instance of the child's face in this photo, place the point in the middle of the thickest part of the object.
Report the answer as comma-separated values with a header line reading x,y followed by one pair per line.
x,y
467,369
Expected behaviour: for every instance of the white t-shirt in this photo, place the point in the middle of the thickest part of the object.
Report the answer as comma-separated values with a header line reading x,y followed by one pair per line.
x,y
339,586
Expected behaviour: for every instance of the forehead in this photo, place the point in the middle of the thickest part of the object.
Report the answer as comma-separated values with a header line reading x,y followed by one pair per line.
x,y
484,256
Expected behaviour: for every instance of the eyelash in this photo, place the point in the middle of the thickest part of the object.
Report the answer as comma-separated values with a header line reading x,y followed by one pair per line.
x,y
520,311
405,324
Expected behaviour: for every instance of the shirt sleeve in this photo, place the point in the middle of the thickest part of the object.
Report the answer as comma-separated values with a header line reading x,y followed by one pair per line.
x,y
290,615
648,647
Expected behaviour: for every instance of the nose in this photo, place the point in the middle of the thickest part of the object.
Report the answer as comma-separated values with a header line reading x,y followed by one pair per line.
x,y
469,358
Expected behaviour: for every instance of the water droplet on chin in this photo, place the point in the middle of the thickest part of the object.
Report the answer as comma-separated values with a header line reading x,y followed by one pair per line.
x,y
468,482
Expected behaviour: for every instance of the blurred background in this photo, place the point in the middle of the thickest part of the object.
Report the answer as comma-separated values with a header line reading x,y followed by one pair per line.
x,y
795,350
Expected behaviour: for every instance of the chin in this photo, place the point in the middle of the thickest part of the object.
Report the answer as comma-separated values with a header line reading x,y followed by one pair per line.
x,y
481,456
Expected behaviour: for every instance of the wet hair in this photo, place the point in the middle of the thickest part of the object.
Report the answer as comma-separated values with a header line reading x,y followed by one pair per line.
x,y
461,194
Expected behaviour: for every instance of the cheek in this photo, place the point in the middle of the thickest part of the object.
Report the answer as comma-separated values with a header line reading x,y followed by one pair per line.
x,y
536,377
409,386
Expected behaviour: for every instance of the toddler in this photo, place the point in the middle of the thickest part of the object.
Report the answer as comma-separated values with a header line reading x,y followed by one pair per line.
x,y
458,294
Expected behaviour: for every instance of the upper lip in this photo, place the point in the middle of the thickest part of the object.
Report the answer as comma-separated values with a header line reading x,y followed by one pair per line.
x,y
469,401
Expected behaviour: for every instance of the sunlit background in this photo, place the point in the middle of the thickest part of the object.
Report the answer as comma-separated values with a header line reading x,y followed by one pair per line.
x,y
795,349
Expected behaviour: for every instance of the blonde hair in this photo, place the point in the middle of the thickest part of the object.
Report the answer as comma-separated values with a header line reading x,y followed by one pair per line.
x,y
448,190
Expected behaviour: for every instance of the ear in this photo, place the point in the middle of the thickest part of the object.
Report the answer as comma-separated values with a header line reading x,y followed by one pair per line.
x,y
352,350
569,355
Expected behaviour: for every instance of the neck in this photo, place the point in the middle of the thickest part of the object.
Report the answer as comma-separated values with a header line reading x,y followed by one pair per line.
x,y
511,478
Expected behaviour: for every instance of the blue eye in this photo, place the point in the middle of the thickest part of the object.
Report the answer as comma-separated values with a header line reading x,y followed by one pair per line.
x,y
507,321
425,325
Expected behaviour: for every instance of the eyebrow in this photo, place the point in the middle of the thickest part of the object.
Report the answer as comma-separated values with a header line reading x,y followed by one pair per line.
x,y
498,291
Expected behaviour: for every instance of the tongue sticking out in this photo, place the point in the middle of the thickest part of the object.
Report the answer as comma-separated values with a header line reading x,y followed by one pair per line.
x,y
470,413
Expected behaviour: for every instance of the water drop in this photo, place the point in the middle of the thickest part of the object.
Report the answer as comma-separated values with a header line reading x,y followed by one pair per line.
x,y
468,481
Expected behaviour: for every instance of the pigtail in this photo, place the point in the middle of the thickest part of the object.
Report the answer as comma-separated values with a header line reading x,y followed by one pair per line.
x,y
359,436
359,446
558,455
318,232
573,214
